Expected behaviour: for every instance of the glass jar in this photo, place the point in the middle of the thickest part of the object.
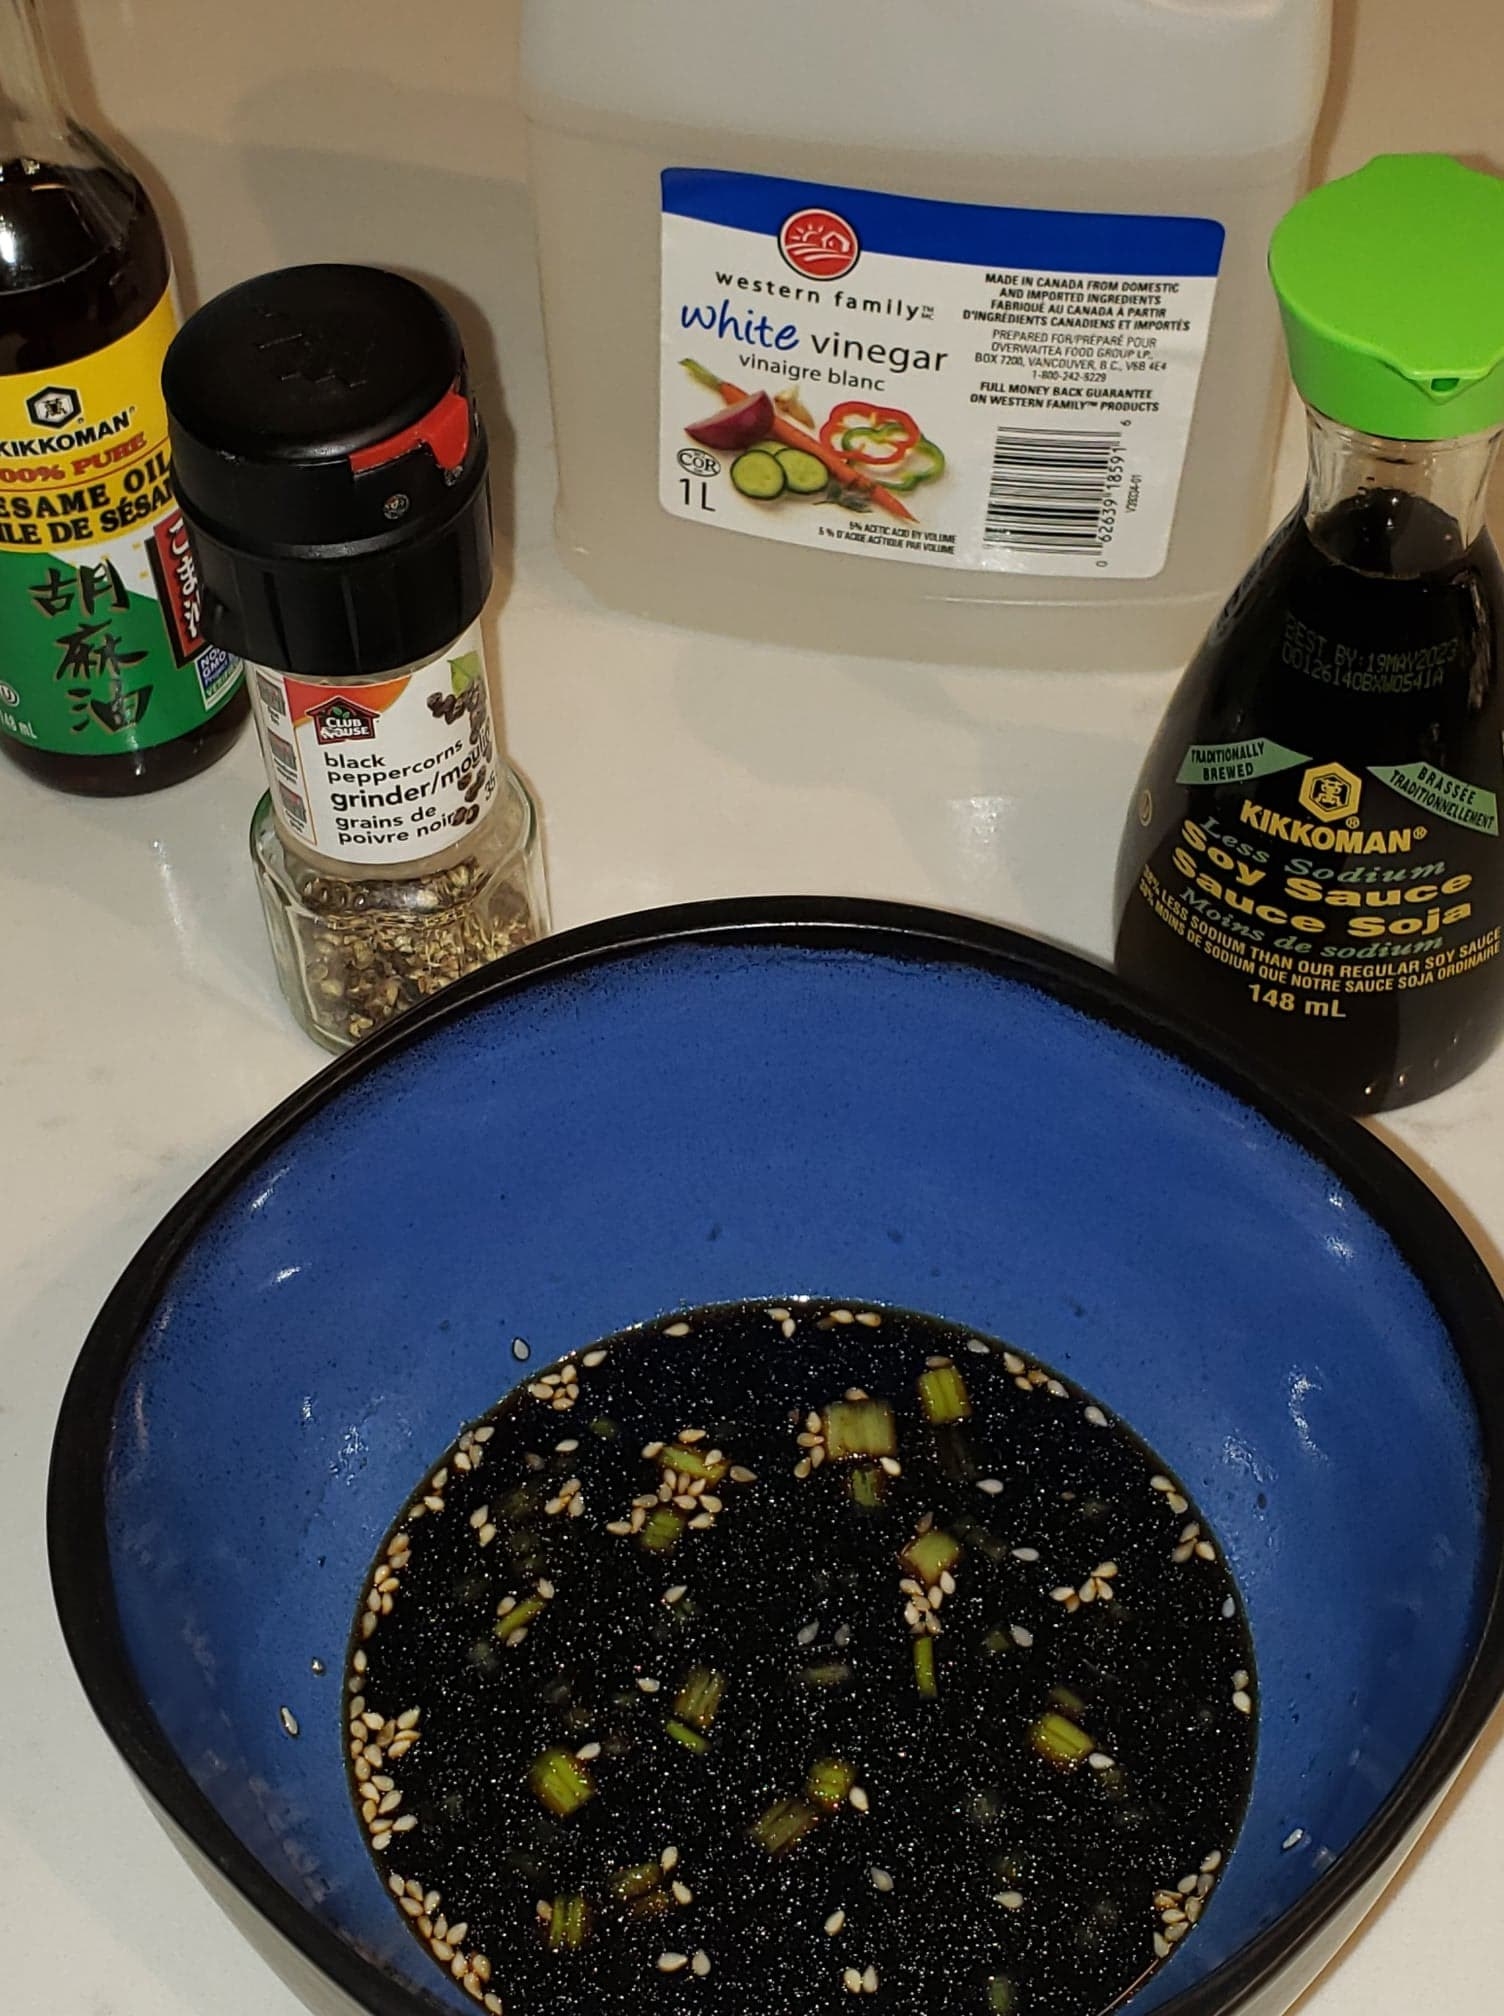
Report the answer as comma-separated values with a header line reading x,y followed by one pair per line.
x,y
352,953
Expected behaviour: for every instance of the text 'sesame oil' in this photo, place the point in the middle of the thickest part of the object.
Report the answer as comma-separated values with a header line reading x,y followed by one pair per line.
x,y
1313,867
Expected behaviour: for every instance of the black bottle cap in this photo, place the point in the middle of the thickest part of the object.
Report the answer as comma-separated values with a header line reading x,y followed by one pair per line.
x,y
331,466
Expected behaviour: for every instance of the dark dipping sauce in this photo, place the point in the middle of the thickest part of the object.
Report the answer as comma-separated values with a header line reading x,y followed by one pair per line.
x,y
877,1660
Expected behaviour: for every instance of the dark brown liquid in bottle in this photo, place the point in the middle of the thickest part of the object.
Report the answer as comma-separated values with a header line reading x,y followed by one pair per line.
x,y
88,264
1342,932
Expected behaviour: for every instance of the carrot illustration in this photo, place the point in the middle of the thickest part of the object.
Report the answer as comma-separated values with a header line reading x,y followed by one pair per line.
x,y
791,436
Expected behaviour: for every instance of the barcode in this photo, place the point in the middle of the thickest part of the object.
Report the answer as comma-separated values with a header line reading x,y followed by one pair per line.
x,y
1050,489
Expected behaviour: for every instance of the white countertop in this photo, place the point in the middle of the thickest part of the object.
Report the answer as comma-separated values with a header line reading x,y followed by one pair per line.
x,y
141,1030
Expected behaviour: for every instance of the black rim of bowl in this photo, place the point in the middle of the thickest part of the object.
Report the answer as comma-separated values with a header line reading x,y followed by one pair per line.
x,y
1421,1228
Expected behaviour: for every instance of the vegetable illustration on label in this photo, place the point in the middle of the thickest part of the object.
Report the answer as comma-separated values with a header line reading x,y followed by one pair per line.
x,y
862,456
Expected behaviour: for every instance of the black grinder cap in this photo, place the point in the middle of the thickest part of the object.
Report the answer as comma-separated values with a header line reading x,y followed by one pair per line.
x,y
331,467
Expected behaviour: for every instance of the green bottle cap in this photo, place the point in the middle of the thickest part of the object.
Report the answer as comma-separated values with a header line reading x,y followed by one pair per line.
x,y
1391,284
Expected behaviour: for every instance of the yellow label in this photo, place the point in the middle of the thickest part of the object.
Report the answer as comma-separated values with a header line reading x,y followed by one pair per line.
x,y
101,608
83,446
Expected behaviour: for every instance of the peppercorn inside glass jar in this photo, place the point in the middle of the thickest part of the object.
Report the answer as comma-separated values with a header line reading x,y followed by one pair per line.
x,y
351,954
385,771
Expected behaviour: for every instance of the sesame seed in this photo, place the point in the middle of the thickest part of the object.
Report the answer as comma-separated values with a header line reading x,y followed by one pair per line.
x,y
1243,1702
1212,1863
406,1824
1186,1885
682,1893
869,1980
1096,1417
691,1435
870,1317
677,1594
588,1752
808,1633
593,1358
544,1910
1161,1946
494,2005
288,1720
787,1326
676,1330
1240,1678
858,1798
648,1685
1293,1840
669,1859
487,1534
851,1980
390,1802
890,1466
1229,1606
881,1880
1021,1636
565,1448
1025,1553
1099,1761
670,1963
461,1460
835,1922
740,1474
409,1718
441,1949
382,1841
1011,1900
991,1485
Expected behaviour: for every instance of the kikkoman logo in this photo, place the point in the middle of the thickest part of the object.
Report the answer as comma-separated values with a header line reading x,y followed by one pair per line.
x,y
54,406
1328,791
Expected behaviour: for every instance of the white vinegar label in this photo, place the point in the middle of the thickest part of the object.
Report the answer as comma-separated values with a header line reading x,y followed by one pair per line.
x,y
951,383
383,770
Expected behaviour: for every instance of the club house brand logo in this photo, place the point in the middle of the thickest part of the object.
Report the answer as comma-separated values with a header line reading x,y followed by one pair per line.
x,y
342,720
819,244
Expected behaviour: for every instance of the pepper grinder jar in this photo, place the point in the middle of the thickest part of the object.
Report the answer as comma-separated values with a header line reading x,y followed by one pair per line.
x,y
332,468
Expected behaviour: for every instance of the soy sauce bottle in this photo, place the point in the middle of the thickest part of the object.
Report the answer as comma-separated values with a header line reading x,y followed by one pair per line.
x,y
1313,867
106,682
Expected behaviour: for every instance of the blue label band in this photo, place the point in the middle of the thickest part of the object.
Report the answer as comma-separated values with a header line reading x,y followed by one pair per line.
x,y
968,234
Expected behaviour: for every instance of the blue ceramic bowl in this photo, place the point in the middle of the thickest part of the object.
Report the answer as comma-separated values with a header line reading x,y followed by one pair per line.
x,y
774,1100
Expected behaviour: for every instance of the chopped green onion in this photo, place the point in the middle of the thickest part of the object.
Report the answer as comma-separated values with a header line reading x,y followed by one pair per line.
x,y
636,1881
836,1674
691,1462
924,1667
996,1641
607,1430
690,1738
519,1616
785,1822
1000,1995
1068,1699
867,1486
1060,1740
561,1781
943,1394
566,1928
930,1555
859,1428
830,1780
662,1531
699,1699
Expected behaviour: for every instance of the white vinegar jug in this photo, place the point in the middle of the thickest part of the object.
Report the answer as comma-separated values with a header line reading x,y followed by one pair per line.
x,y
938,332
